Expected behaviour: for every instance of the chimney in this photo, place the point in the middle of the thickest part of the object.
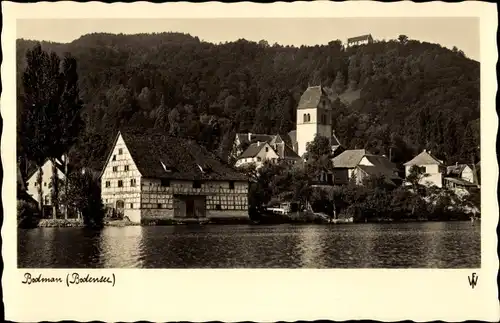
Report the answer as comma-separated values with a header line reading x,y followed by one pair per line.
x,y
456,164
425,150
258,143
249,136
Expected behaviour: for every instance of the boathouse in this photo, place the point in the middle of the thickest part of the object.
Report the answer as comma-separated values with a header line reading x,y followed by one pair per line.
x,y
155,176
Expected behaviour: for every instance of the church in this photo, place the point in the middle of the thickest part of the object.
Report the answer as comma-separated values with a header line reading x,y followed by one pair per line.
x,y
314,117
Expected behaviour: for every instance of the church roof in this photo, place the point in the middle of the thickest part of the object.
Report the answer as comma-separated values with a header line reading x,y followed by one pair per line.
x,y
311,97
166,157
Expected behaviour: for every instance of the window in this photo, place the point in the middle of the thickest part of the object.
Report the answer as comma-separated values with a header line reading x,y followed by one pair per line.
x,y
108,184
47,200
36,184
267,149
259,159
231,185
165,182
120,183
114,157
120,151
115,169
132,182
126,168
159,205
218,207
131,205
308,117
44,183
196,184
305,117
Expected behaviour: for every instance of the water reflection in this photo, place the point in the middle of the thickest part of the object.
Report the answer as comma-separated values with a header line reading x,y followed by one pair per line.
x,y
121,247
410,245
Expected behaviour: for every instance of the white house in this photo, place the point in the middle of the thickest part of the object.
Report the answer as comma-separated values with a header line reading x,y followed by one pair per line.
x,y
257,153
429,165
47,171
155,176
460,177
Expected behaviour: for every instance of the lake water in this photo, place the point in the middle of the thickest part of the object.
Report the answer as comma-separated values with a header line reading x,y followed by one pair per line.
x,y
394,245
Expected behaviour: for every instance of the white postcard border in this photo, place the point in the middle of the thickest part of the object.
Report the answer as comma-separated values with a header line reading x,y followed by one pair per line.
x,y
257,295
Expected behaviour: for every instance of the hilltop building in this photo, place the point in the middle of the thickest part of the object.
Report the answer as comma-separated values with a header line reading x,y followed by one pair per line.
x,y
432,168
359,164
360,40
156,176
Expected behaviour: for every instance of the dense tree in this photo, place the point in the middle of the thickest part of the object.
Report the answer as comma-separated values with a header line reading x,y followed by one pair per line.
x,y
84,196
40,108
422,94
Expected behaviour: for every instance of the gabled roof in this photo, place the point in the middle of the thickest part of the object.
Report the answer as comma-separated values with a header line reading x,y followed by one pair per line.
x,y
335,140
379,171
20,181
456,170
424,158
253,150
360,38
165,157
34,169
381,162
289,153
311,97
349,158
243,138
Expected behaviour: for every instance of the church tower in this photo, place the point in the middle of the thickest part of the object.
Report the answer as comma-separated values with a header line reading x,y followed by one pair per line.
x,y
314,116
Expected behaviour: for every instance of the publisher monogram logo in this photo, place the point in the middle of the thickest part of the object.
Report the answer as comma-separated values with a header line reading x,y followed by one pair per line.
x,y
473,280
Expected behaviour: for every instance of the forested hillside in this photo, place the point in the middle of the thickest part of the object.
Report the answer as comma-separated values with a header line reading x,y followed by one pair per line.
x,y
401,94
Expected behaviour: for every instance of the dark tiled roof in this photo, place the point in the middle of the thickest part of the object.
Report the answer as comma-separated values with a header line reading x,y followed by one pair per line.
x,y
289,153
253,150
349,158
382,162
379,171
360,38
162,156
311,97
455,170
424,158
20,182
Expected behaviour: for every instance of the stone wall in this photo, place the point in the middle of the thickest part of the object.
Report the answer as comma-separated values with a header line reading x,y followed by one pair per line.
x,y
227,214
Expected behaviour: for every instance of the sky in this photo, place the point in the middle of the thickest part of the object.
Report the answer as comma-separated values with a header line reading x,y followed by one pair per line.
x,y
462,32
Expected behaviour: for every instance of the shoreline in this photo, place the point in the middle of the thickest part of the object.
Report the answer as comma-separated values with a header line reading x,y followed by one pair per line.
x,y
74,223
